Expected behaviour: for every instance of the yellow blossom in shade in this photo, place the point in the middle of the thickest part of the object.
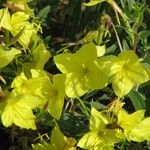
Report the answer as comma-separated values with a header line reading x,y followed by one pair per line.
x,y
100,137
18,110
34,85
7,56
40,55
81,70
58,142
19,22
56,95
22,6
5,19
51,94
126,71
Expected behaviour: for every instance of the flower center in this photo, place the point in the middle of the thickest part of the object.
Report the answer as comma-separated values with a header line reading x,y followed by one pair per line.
x,y
85,70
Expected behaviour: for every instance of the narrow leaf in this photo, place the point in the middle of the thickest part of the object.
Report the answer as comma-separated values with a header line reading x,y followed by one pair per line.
x,y
94,2
43,13
18,35
137,99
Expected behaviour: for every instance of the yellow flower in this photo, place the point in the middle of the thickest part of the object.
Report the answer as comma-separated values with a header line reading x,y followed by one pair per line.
x,y
126,72
58,142
18,110
136,127
102,134
81,70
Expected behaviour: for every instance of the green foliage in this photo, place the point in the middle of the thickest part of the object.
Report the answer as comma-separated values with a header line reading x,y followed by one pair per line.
x,y
137,99
71,71
43,13
94,2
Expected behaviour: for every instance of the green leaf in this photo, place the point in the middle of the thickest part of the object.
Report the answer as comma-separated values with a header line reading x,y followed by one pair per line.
x,y
16,38
7,56
137,99
91,35
94,2
144,34
43,13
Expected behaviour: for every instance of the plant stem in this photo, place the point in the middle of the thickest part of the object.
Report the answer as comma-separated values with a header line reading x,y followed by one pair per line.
x,y
6,37
118,40
100,36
